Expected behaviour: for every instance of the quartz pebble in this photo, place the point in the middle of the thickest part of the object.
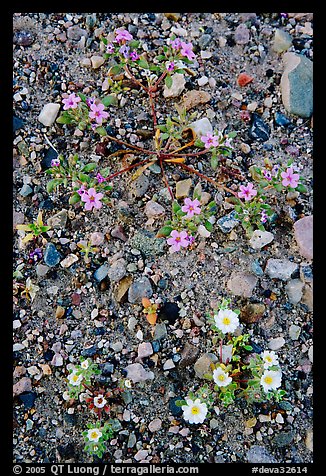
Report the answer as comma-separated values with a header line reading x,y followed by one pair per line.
x,y
242,284
303,233
280,268
260,239
276,343
137,373
49,114
178,84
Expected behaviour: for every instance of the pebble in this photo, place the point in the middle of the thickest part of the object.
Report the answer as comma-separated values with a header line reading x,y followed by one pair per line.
x,y
227,222
194,98
280,268
259,454
189,355
141,455
118,232
168,364
117,271
49,114
155,425
178,85
90,351
174,409
160,332
297,84
204,40
102,272
242,283
259,130
137,373
51,256
25,190
145,349
23,385
276,343
294,332
139,186
59,220
252,312
69,260
242,34
202,127
284,438
260,239
28,399
243,79
282,41
183,188
281,119
294,289
120,293
17,123
139,289
311,354
202,81
202,365
23,38
48,157
309,440
303,233
75,33
169,312
146,242
97,61
154,209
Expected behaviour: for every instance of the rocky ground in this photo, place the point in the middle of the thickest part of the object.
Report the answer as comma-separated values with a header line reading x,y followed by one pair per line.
x,y
93,309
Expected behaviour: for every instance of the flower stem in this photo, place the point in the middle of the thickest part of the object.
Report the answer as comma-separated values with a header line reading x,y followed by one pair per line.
x,y
128,168
132,77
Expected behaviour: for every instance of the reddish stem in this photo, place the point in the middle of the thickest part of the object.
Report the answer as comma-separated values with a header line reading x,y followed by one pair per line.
x,y
160,79
132,77
152,103
221,351
121,142
127,169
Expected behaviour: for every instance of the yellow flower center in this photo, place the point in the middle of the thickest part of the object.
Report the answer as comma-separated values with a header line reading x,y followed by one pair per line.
x,y
94,434
195,410
268,359
268,380
221,377
226,321
92,198
75,378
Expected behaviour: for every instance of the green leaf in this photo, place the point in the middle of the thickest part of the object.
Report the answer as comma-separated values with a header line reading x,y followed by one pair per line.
x,y
278,187
75,198
154,68
199,143
52,184
168,81
180,403
208,226
83,177
165,135
64,119
110,100
214,162
301,188
232,134
164,231
175,206
181,71
89,167
105,172
142,63
82,97
115,70
160,57
187,61
133,44
247,347
104,40
101,130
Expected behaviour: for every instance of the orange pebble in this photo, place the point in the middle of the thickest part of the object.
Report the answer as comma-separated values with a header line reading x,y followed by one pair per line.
x,y
244,79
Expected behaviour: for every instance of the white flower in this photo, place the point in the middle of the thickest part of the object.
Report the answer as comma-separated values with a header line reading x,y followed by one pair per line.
x,y
75,379
269,358
99,401
271,380
128,383
221,378
84,365
226,320
94,434
194,411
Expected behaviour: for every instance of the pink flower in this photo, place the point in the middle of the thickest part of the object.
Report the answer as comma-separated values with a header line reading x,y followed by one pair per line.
x,y
97,112
247,192
134,56
124,50
170,66
71,101
267,174
110,48
100,178
191,207
186,50
264,217
82,190
178,239
122,35
289,178
55,163
92,199
176,44
210,141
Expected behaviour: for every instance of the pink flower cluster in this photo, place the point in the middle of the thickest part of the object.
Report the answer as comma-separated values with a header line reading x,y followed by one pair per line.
x,y
91,198
186,49
191,207
247,192
97,112
210,140
122,35
290,179
71,102
179,239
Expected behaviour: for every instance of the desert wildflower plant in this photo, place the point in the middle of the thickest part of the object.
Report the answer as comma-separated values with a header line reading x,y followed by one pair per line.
x,y
237,371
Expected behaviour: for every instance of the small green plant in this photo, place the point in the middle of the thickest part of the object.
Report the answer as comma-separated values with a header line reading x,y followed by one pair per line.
x,y
35,229
237,371
96,437
86,248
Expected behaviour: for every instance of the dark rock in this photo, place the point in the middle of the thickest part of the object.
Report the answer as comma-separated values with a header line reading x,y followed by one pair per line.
x,y
46,204
204,40
189,355
66,451
90,351
48,157
48,355
169,312
17,123
23,38
107,369
71,419
156,345
284,438
28,399
51,256
252,312
281,120
174,409
259,130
